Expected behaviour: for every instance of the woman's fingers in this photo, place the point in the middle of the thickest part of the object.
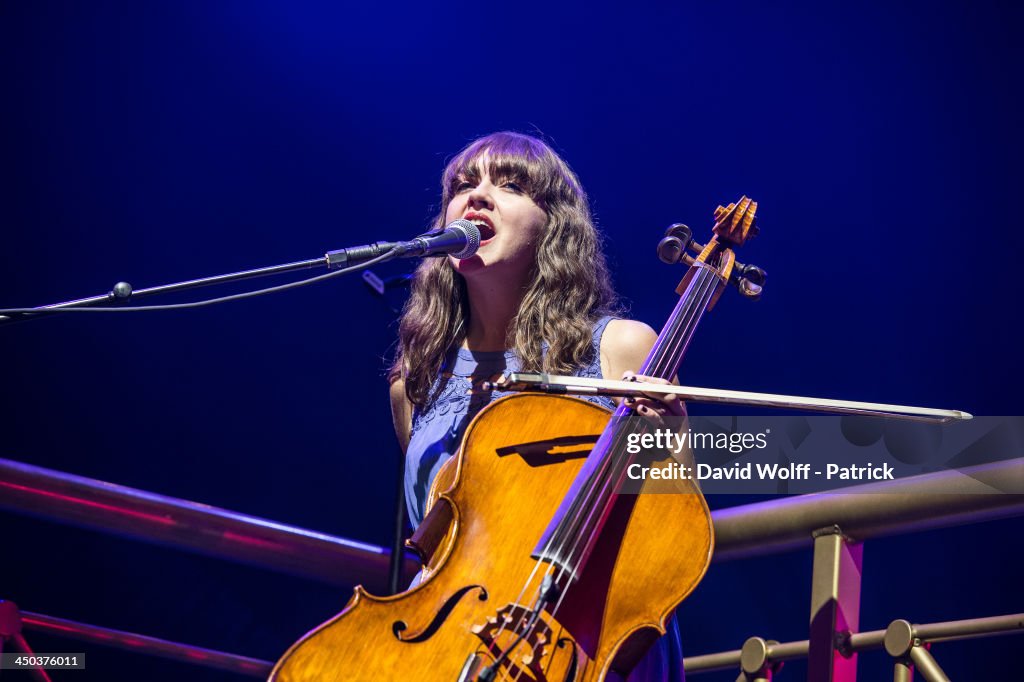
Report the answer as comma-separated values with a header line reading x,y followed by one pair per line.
x,y
661,404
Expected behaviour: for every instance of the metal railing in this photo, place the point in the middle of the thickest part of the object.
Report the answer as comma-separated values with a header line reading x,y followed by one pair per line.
x,y
908,644
13,620
200,528
834,524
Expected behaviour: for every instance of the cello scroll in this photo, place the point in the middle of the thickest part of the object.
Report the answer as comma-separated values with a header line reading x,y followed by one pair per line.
x,y
734,225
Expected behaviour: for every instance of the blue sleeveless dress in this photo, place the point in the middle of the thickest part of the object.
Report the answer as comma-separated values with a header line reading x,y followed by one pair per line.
x,y
437,433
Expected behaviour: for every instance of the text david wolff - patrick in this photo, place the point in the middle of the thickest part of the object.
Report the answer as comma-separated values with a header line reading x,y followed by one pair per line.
x,y
767,472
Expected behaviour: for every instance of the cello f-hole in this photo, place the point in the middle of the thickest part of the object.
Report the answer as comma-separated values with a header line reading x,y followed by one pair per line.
x,y
399,627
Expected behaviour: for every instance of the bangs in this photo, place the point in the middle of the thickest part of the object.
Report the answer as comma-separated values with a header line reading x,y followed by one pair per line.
x,y
517,158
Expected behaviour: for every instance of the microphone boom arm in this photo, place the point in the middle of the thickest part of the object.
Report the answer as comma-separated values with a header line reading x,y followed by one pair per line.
x,y
461,238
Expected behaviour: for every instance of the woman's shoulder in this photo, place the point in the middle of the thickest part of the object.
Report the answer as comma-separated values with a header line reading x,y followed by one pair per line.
x,y
625,345
624,336
401,412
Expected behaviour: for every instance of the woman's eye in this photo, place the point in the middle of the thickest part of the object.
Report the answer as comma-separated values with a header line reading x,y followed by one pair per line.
x,y
513,187
463,186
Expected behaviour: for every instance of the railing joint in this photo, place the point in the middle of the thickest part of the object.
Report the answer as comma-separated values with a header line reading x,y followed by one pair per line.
x,y
842,643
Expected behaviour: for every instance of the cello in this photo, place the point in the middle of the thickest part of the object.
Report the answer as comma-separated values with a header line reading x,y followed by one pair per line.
x,y
536,566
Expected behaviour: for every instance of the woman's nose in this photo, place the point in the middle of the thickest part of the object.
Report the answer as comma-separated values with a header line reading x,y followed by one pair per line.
x,y
480,196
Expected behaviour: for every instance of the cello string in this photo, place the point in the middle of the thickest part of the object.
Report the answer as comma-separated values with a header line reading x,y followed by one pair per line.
x,y
563,536
599,484
693,312
608,478
703,297
700,308
682,317
663,358
533,610
687,319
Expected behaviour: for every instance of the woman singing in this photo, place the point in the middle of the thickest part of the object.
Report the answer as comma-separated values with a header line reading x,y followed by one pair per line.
x,y
535,297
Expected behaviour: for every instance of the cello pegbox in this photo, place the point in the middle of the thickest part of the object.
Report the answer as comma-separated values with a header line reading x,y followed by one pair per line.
x,y
734,224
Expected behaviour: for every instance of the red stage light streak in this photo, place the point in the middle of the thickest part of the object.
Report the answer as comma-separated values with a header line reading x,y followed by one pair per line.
x,y
120,511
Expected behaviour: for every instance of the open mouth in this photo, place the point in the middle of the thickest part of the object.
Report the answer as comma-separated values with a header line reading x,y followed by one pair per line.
x,y
487,232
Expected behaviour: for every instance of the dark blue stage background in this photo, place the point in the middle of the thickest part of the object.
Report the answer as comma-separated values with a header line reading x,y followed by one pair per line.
x,y
159,142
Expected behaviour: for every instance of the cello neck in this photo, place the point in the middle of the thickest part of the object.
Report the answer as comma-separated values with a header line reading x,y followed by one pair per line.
x,y
576,526
667,354
574,530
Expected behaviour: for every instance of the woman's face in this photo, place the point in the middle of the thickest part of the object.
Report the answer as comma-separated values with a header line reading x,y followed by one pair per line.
x,y
510,223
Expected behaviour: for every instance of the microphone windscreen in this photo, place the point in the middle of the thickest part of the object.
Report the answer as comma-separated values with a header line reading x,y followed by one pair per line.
x,y
472,236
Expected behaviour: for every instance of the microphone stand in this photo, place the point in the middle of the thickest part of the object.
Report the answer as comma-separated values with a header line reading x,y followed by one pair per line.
x,y
349,259
123,291
352,258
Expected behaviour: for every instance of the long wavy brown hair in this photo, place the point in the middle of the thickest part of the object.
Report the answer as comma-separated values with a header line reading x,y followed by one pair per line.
x,y
568,289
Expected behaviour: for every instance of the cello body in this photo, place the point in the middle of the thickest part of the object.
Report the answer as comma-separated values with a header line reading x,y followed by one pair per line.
x,y
536,567
521,455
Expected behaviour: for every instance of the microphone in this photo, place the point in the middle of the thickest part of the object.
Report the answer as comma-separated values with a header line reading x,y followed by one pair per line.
x,y
460,239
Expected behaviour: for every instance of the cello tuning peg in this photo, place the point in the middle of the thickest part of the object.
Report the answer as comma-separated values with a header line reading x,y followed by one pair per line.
x,y
755,274
672,248
749,289
678,230
748,279
751,272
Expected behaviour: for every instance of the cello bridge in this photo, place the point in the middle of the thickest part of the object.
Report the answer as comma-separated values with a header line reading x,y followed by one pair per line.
x,y
500,631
